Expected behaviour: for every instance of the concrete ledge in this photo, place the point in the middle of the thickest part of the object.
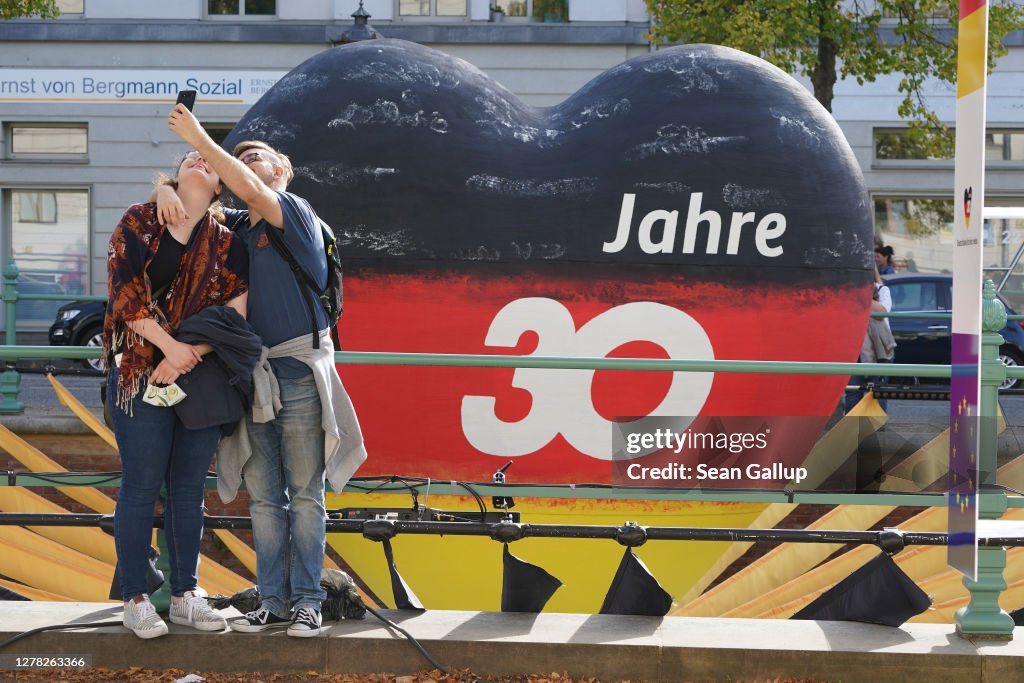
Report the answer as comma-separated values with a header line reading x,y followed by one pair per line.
x,y
495,644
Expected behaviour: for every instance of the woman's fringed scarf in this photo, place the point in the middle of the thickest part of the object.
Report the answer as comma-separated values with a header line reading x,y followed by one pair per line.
x,y
212,272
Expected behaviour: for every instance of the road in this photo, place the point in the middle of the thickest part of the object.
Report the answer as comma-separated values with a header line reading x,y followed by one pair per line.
x,y
36,391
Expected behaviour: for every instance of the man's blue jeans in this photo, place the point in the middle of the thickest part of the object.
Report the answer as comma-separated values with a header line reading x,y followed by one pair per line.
x,y
156,448
285,480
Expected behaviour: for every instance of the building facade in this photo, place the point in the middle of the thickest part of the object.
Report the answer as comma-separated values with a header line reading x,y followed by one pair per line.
x,y
84,98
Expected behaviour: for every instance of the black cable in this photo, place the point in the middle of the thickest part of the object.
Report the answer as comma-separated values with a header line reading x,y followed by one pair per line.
x,y
397,479
422,650
57,477
426,655
58,627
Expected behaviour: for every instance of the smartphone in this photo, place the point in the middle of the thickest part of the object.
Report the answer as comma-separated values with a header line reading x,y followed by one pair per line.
x,y
188,98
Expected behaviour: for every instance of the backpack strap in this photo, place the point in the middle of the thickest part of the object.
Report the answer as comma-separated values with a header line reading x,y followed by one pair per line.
x,y
275,239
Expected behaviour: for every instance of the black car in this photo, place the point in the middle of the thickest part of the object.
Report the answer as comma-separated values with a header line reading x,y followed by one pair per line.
x,y
927,340
79,323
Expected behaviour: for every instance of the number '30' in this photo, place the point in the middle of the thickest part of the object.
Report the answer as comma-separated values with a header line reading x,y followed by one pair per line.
x,y
561,402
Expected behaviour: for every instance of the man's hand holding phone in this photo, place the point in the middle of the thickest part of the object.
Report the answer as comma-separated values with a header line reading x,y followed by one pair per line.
x,y
183,124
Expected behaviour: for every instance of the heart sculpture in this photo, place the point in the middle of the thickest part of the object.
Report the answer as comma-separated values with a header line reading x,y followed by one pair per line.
x,y
691,203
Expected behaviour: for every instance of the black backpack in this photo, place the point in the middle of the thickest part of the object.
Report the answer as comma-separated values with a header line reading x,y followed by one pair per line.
x,y
331,297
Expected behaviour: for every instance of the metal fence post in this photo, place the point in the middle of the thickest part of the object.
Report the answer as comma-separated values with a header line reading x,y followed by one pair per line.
x,y
10,380
982,618
161,599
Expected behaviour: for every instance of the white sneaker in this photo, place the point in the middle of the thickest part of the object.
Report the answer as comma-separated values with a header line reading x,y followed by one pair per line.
x,y
141,619
194,611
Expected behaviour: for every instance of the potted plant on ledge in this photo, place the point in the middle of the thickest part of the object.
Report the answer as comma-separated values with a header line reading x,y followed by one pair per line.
x,y
497,12
551,10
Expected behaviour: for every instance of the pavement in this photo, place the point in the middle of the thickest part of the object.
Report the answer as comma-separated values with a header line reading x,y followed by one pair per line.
x,y
607,647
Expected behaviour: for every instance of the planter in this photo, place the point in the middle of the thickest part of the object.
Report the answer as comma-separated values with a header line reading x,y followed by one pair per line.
x,y
497,16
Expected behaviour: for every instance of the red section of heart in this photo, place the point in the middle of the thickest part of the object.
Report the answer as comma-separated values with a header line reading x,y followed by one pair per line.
x,y
411,416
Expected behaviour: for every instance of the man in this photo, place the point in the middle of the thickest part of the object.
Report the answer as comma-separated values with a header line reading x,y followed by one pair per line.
x,y
292,446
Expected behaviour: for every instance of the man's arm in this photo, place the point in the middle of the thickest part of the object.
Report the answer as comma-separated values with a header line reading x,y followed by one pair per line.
x,y
244,183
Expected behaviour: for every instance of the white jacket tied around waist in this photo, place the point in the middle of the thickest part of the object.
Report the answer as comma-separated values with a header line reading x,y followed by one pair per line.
x,y
344,451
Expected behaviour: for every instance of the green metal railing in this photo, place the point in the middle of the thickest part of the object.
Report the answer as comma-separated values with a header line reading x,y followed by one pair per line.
x,y
982,618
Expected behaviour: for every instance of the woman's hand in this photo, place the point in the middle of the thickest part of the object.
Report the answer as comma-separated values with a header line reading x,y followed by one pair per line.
x,y
169,209
164,374
182,357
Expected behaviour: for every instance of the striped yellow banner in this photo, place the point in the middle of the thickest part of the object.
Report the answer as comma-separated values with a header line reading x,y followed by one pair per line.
x,y
970,61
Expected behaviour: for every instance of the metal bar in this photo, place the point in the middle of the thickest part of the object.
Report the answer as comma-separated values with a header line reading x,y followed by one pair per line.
x,y
560,362
573,491
648,364
941,315
61,297
506,530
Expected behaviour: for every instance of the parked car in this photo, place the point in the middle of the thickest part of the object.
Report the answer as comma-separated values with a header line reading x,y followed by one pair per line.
x,y
927,340
79,323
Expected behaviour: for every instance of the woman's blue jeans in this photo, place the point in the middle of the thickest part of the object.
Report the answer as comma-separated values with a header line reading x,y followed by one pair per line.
x,y
157,449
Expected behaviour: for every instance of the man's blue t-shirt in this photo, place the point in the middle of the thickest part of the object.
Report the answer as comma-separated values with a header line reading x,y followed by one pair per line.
x,y
278,309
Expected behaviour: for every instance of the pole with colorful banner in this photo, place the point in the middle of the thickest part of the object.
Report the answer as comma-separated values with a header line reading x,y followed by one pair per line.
x,y
969,200
977,372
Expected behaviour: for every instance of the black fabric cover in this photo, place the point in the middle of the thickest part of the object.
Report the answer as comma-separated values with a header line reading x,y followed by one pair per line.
x,y
219,390
8,594
525,587
1018,617
877,593
154,577
404,597
634,590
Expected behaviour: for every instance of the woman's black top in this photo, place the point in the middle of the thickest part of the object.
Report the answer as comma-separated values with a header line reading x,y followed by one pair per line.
x,y
164,265
162,270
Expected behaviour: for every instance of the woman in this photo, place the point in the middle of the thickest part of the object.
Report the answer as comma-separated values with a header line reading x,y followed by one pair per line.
x,y
883,260
872,350
157,277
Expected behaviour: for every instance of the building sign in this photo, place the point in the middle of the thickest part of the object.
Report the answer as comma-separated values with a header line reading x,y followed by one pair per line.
x,y
133,85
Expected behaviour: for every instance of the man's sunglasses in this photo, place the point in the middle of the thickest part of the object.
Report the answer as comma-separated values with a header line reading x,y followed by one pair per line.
x,y
250,157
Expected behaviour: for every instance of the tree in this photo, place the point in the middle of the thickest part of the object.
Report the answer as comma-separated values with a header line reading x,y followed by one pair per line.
x,y
44,9
828,39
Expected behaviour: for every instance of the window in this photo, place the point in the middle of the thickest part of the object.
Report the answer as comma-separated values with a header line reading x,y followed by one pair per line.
x,y
896,144
1000,145
30,140
941,12
218,132
37,207
1004,146
914,296
433,8
920,231
913,217
48,237
241,7
71,6
515,8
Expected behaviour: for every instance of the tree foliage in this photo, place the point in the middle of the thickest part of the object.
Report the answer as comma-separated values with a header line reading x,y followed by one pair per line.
x,y
830,39
44,9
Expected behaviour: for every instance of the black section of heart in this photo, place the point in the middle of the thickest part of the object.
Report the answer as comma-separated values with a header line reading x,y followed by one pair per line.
x,y
420,160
